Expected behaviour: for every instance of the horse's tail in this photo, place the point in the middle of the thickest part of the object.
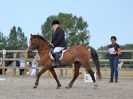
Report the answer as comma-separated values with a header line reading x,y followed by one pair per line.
x,y
95,59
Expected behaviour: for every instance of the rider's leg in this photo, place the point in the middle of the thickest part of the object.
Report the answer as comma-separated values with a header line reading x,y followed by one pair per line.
x,y
56,55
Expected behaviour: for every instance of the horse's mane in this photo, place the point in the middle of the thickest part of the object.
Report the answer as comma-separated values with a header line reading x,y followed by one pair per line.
x,y
40,37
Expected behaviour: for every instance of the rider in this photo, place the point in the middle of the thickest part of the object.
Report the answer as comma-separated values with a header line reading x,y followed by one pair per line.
x,y
58,40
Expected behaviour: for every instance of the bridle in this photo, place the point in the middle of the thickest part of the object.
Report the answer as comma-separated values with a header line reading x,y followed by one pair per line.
x,y
35,45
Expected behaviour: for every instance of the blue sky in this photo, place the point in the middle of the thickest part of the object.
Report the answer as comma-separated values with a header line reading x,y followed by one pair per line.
x,y
105,17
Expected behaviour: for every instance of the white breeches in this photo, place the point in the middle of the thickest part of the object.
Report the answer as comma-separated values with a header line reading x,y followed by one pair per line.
x,y
58,49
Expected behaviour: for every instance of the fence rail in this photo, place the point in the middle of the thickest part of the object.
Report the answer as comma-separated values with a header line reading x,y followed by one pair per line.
x,y
14,59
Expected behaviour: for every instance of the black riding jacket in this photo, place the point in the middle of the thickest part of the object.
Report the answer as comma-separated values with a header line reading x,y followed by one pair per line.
x,y
58,38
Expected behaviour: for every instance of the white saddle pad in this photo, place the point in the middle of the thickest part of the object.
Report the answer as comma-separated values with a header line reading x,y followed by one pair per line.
x,y
63,51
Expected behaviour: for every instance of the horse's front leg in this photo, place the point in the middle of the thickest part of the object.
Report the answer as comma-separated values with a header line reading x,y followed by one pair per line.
x,y
44,69
55,76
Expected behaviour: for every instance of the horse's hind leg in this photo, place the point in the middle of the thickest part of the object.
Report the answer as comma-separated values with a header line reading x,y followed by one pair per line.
x,y
44,69
55,76
76,74
89,70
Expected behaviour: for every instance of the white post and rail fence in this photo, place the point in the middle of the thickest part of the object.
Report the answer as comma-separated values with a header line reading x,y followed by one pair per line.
x,y
68,71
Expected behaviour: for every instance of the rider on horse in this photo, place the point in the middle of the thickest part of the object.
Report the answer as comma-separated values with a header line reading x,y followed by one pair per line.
x,y
58,41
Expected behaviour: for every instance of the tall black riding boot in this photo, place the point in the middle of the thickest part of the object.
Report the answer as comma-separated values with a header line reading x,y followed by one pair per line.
x,y
56,64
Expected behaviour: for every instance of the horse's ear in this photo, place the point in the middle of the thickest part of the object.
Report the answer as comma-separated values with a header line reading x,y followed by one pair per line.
x,y
31,35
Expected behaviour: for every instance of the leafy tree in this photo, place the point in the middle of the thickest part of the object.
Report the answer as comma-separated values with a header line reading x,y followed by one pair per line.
x,y
13,41
22,40
127,55
3,41
74,27
17,39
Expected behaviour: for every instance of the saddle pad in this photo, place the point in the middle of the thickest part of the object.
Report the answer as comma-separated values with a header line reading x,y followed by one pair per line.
x,y
63,51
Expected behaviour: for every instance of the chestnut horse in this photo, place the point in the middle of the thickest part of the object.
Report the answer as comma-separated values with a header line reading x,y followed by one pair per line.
x,y
79,55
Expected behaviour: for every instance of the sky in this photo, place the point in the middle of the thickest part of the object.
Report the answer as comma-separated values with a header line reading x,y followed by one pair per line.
x,y
106,18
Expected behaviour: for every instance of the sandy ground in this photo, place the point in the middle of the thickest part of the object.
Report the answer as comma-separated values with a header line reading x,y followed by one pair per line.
x,y
21,88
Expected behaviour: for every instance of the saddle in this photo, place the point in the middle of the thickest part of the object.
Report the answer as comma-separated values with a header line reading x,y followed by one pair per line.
x,y
61,53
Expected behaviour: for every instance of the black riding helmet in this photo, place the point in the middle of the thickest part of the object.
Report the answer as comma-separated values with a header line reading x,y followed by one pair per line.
x,y
113,37
55,22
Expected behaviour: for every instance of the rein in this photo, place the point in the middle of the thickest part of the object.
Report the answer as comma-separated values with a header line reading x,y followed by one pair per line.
x,y
48,44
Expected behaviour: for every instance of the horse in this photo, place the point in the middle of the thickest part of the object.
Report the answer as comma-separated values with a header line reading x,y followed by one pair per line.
x,y
78,54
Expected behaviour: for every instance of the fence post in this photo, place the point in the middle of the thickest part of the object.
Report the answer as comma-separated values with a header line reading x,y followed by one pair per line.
x,y
132,55
66,72
26,65
61,72
14,65
3,65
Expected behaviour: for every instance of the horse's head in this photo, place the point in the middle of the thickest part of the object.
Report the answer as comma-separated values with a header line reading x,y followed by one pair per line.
x,y
37,43
32,44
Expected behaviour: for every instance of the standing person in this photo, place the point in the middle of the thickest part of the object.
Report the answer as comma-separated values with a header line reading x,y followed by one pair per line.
x,y
34,64
58,41
114,52
22,64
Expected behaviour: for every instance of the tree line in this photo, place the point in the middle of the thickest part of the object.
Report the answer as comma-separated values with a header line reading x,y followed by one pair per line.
x,y
76,30
16,40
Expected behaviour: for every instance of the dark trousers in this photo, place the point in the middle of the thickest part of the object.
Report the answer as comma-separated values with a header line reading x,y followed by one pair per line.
x,y
113,62
21,71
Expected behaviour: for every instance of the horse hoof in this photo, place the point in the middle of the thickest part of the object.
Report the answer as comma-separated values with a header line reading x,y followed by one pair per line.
x,y
58,87
35,86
